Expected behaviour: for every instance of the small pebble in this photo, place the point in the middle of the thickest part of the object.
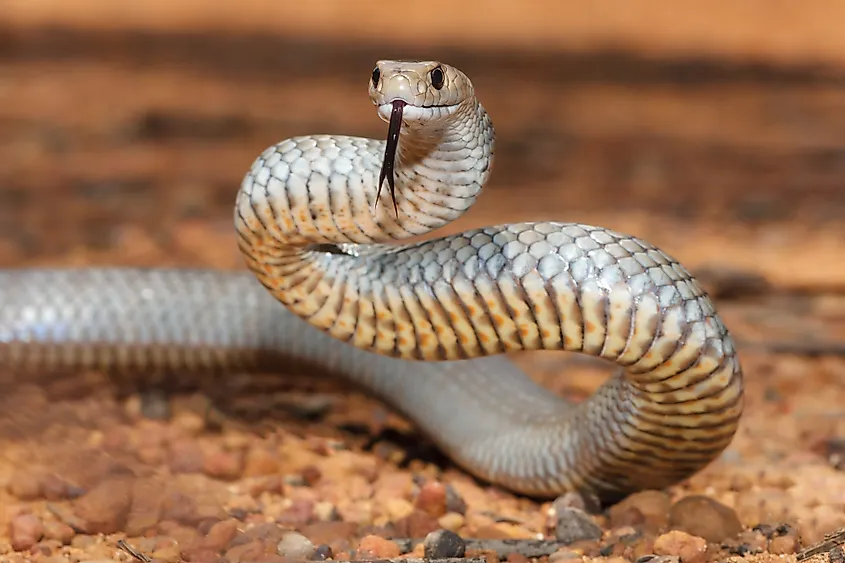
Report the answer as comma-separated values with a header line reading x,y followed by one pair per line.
x,y
746,543
104,508
393,486
179,507
58,531
54,488
837,555
322,553
200,554
326,512
182,535
269,532
767,530
432,499
147,499
250,551
503,531
223,465
452,521
784,529
441,544
44,548
741,482
454,501
377,547
300,512
260,462
574,525
706,518
24,485
255,486
243,504
648,510
26,530
564,555
294,480
398,508
785,545
690,549
189,422
154,405
651,558
234,440
117,439
185,456
82,541
641,547
295,546
335,534
625,534
589,503
147,545
362,513
151,455
417,524
310,475
220,535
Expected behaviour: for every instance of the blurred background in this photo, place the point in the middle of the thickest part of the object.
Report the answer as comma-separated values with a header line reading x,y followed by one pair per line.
x,y
715,130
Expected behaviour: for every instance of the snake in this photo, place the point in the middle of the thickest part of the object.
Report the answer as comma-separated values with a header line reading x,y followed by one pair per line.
x,y
338,275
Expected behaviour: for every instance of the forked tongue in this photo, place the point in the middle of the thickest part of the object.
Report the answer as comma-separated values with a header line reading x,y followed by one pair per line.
x,y
390,152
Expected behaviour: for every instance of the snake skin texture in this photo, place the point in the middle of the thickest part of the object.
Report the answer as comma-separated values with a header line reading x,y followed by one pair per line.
x,y
421,325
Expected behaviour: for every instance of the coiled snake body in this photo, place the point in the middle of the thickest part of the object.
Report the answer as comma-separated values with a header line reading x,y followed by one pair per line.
x,y
314,228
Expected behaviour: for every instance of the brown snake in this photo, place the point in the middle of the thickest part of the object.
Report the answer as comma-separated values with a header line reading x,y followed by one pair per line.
x,y
314,226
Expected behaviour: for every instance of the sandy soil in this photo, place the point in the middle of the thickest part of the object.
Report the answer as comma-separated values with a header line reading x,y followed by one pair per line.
x,y
128,148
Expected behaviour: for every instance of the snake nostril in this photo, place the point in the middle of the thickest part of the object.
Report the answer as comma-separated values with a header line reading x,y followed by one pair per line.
x,y
376,76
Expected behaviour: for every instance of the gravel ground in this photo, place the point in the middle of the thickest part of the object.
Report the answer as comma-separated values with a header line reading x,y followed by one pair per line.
x,y
229,468
134,159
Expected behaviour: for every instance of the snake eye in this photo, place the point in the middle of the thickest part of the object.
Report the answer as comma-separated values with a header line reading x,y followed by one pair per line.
x,y
376,76
437,78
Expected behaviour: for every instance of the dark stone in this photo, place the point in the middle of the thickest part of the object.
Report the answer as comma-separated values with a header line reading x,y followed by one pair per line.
x,y
441,544
575,525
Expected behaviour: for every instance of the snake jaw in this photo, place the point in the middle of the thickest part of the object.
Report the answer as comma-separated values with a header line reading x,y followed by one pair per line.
x,y
387,166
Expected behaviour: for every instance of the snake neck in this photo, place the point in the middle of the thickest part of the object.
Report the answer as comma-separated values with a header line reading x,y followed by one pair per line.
x,y
308,203
440,170
322,189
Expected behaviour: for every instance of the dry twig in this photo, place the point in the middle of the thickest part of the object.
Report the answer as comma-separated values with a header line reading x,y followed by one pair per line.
x,y
829,542
133,552
502,548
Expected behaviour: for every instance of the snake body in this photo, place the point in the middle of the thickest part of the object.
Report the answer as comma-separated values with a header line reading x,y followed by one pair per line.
x,y
422,325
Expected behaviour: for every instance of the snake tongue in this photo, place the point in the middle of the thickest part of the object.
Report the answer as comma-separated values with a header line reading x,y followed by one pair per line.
x,y
390,152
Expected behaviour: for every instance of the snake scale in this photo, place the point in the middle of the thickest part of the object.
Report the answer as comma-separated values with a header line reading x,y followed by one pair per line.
x,y
423,325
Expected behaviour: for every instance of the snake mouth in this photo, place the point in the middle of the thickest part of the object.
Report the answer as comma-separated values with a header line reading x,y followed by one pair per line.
x,y
387,165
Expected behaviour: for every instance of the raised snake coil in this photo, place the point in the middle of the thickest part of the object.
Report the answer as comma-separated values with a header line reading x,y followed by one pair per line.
x,y
318,237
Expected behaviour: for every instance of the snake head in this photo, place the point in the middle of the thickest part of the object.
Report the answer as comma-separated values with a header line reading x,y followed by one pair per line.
x,y
414,93
429,90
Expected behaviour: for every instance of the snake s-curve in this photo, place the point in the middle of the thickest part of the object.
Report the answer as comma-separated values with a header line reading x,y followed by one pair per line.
x,y
321,235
